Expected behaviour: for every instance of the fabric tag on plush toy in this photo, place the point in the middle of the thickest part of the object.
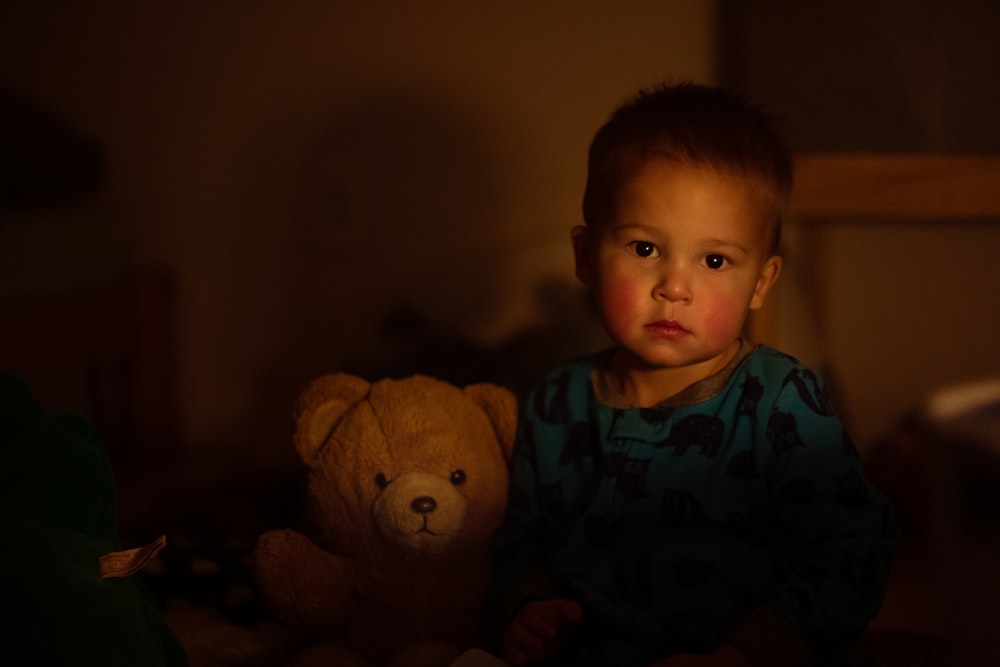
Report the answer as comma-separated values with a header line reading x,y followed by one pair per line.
x,y
130,561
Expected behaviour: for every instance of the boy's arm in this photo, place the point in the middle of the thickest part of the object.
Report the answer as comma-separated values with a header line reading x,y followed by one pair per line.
x,y
537,630
520,548
839,532
767,638
725,656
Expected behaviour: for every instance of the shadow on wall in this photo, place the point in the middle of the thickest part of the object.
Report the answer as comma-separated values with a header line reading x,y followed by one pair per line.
x,y
396,250
44,162
398,206
567,329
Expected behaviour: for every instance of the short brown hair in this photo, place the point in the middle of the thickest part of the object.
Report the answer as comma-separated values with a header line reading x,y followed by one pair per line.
x,y
695,125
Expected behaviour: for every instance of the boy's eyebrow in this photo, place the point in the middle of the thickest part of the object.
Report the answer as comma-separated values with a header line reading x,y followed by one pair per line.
x,y
627,226
724,243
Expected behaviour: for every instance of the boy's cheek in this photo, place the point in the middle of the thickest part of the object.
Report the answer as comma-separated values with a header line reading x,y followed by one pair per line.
x,y
723,317
617,301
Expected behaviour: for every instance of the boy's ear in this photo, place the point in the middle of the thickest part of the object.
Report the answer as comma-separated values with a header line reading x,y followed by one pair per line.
x,y
583,252
765,281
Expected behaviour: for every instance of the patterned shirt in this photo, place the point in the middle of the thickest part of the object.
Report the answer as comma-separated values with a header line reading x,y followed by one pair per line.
x,y
674,525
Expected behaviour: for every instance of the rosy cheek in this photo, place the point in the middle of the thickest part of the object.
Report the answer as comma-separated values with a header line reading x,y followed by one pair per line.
x,y
722,317
618,302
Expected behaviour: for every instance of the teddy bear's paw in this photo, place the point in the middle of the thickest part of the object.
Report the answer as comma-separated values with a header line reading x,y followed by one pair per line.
x,y
301,584
277,545
425,654
328,655
274,576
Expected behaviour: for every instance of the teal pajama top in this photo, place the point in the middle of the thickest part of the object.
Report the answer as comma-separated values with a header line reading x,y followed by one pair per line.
x,y
672,524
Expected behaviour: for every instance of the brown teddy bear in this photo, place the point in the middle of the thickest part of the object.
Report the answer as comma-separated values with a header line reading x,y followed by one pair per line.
x,y
407,483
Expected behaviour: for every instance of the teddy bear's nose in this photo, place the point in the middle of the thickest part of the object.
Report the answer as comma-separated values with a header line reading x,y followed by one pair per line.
x,y
423,505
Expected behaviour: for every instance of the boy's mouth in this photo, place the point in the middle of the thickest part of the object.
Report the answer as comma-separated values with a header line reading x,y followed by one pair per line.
x,y
667,329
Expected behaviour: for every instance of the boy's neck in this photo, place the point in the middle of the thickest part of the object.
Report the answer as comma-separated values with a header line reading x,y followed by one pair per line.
x,y
645,386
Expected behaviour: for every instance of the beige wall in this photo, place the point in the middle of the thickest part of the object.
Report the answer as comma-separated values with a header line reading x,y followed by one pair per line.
x,y
905,308
307,167
900,309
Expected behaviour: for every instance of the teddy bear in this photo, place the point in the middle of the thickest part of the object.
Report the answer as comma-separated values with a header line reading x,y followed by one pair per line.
x,y
407,481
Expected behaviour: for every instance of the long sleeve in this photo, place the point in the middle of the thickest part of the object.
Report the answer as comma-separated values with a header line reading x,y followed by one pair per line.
x,y
524,544
837,533
738,515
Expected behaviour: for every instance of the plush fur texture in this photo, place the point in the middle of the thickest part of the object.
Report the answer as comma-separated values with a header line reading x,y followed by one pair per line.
x,y
407,484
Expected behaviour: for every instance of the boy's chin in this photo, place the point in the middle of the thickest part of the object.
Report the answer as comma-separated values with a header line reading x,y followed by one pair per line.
x,y
677,359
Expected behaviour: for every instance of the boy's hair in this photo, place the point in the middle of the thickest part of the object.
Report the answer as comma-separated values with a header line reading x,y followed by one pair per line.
x,y
692,125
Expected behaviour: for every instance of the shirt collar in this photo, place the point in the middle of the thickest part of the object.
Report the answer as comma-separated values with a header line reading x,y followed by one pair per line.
x,y
699,392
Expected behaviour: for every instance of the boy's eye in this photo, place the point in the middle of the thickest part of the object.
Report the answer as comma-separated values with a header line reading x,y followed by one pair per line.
x,y
644,249
715,261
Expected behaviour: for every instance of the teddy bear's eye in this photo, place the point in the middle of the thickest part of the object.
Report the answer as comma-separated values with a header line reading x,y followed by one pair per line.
x,y
458,477
381,480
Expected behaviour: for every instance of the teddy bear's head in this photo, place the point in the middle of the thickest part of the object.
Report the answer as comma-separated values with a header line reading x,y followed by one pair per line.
x,y
404,468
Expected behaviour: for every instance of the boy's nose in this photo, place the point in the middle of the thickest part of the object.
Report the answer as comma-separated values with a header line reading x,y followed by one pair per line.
x,y
673,285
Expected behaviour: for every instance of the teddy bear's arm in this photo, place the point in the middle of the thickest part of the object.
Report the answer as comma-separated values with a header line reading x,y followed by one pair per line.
x,y
305,586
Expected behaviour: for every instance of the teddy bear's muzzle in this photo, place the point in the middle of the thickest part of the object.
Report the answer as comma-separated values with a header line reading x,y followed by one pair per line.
x,y
420,513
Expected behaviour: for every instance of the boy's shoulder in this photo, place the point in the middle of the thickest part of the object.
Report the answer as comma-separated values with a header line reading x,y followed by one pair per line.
x,y
573,371
564,393
760,359
572,380
784,378
764,358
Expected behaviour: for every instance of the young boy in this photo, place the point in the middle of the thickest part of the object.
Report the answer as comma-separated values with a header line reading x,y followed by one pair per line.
x,y
686,497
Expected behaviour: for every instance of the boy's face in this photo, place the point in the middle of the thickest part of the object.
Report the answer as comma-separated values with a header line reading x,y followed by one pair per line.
x,y
678,265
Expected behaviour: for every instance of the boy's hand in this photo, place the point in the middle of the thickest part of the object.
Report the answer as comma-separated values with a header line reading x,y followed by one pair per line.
x,y
536,631
727,656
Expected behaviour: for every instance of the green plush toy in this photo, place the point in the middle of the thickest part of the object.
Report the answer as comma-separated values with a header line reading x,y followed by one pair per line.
x,y
65,594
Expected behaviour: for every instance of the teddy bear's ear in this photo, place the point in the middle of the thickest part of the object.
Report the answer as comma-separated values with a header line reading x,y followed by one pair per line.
x,y
500,405
320,408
